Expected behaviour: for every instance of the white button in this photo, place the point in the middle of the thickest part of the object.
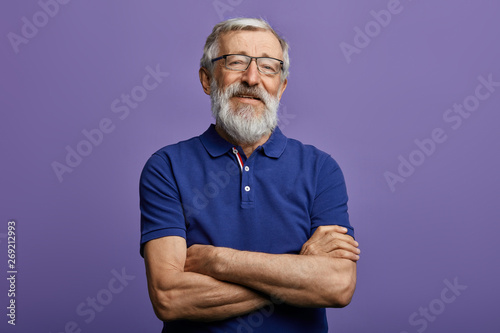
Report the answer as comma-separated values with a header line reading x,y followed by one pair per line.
x,y
247,188
247,168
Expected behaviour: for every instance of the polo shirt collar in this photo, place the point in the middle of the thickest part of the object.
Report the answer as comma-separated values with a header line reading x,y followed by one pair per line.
x,y
214,143
276,144
217,146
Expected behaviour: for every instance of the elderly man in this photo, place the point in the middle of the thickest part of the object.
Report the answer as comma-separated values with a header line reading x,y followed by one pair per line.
x,y
244,229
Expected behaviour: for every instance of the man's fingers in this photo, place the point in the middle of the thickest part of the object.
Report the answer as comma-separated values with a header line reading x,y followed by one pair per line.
x,y
341,237
345,247
327,232
343,254
347,252
331,242
317,248
332,228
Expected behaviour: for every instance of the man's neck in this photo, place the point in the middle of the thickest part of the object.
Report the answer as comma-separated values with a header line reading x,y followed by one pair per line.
x,y
248,149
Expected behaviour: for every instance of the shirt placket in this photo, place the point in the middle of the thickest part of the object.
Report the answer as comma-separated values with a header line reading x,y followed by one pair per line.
x,y
246,190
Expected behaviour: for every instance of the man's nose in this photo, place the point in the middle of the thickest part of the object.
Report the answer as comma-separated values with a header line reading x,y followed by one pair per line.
x,y
252,75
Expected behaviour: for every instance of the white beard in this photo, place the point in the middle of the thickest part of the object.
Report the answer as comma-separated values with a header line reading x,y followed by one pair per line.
x,y
243,125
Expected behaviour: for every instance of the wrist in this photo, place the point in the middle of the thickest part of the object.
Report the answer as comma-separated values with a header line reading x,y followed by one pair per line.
x,y
221,257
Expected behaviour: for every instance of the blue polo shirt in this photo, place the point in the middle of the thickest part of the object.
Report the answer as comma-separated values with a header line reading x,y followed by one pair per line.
x,y
207,191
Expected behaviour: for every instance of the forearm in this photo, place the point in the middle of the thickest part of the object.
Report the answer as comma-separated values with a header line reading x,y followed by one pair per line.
x,y
301,280
198,297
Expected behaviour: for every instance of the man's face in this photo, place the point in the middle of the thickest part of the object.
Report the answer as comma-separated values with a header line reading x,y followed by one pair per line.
x,y
258,43
245,103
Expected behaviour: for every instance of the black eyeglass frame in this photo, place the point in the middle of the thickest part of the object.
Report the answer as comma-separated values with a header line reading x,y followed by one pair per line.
x,y
251,58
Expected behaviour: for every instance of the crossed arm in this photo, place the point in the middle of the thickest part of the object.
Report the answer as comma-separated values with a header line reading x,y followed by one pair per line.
x,y
207,283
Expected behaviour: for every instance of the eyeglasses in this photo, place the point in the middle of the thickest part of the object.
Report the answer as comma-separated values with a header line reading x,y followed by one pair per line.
x,y
240,62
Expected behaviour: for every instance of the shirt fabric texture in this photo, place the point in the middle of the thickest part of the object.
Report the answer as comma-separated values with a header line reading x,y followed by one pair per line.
x,y
195,189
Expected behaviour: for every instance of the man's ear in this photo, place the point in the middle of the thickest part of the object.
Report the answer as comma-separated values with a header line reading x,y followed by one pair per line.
x,y
205,79
283,87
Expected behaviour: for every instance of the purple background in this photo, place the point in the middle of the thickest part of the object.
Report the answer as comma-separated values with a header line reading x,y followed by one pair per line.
x,y
440,224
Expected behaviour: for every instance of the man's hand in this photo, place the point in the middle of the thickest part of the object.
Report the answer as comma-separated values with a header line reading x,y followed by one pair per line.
x,y
328,240
332,241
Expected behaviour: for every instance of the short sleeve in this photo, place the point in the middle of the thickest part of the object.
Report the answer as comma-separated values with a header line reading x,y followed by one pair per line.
x,y
330,202
161,209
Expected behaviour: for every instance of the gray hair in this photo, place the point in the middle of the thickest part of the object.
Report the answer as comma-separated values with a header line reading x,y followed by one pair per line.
x,y
211,49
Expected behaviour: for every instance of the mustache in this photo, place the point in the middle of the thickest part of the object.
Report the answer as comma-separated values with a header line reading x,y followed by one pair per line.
x,y
238,89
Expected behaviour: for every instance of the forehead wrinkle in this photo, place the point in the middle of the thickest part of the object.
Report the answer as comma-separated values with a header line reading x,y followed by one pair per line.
x,y
250,43
264,54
